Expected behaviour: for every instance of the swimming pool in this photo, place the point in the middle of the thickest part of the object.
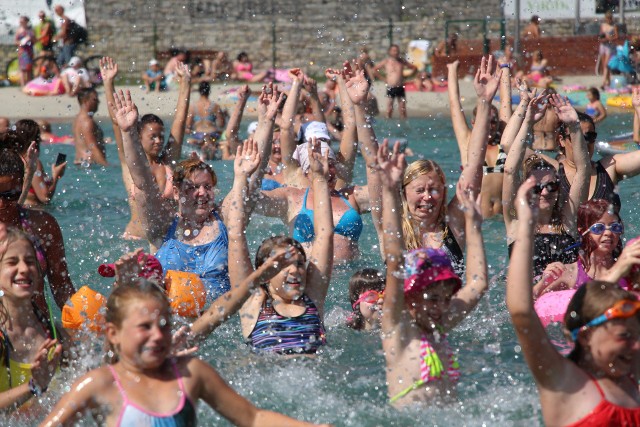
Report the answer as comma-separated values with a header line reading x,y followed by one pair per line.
x,y
346,384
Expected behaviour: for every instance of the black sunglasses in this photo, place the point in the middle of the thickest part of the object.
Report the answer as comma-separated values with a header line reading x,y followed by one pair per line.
x,y
11,195
590,137
551,186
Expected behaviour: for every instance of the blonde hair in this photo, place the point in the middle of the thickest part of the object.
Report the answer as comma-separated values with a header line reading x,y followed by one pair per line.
x,y
412,237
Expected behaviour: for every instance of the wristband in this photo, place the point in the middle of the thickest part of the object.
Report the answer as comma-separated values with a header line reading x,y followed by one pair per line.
x,y
505,66
35,389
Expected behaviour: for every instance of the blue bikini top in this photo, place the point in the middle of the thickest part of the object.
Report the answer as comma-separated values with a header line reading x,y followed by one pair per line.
x,y
349,226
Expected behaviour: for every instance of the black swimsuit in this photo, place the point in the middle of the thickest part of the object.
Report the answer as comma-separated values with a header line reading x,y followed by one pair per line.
x,y
605,188
452,248
548,248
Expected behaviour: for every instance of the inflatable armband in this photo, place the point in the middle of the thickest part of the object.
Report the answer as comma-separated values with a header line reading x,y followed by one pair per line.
x,y
84,309
186,293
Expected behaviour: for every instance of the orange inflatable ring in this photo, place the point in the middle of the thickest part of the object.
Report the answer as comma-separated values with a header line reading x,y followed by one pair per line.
x,y
84,309
186,293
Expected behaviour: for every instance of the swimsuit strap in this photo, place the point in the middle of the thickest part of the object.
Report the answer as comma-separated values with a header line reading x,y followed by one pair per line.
x,y
116,379
595,382
346,200
304,200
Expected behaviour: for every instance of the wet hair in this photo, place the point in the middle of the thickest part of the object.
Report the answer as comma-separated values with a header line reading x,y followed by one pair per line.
x,y
270,244
124,295
594,92
588,214
534,163
589,302
83,94
10,141
242,55
186,168
416,169
15,234
204,89
563,130
363,280
11,163
27,131
148,119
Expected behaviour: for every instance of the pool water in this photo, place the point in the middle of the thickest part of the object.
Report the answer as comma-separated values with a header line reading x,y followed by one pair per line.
x,y
345,385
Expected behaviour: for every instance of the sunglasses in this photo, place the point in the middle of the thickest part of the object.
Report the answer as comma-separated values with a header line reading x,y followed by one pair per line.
x,y
623,309
370,297
590,137
551,186
11,195
599,228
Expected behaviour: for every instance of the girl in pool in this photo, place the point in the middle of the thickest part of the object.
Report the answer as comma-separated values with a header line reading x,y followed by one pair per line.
x,y
138,332
598,383
29,349
594,108
366,291
285,315
419,311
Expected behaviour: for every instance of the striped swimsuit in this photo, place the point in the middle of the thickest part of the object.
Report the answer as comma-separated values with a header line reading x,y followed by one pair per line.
x,y
275,333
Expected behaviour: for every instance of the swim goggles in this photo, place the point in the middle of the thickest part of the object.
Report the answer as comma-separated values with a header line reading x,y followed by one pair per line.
x,y
551,186
369,296
11,195
622,309
599,228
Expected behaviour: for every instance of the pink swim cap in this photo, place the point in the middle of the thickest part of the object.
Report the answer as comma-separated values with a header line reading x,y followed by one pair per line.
x,y
426,266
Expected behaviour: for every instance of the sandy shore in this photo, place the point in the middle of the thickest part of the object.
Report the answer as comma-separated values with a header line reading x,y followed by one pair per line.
x,y
15,105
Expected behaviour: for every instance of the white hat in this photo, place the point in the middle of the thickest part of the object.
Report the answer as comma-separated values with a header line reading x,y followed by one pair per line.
x,y
253,126
153,62
75,60
317,130
301,154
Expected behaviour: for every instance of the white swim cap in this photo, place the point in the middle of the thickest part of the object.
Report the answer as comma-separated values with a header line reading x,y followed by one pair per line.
x,y
253,126
317,130
301,154
75,60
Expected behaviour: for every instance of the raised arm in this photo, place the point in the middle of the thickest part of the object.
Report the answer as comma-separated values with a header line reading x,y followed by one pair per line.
x,y
546,364
349,141
505,111
233,126
580,186
515,121
458,120
321,255
173,150
486,84
109,71
311,87
30,166
477,283
292,170
391,169
155,219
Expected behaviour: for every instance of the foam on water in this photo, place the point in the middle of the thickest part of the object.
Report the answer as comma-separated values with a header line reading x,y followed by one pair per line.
x,y
346,384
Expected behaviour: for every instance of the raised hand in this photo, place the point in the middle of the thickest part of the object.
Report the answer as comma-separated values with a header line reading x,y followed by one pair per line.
x,y
537,107
108,69
183,74
125,111
487,79
526,94
269,101
358,87
247,158
526,202
471,203
181,344
243,93
635,97
31,157
310,85
453,66
391,167
43,369
279,259
318,164
332,74
563,108
296,74
57,171
129,266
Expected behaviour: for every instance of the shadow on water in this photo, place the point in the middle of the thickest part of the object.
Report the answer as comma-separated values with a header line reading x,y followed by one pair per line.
x,y
346,384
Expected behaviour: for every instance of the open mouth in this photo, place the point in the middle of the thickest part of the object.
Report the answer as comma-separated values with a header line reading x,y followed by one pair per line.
x,y
22,283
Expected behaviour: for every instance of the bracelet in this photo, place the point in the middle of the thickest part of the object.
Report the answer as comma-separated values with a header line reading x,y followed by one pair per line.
x,y
505,66
35,389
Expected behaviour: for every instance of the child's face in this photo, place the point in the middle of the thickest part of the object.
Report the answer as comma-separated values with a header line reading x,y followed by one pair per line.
x,y
371,308
152,138
608,240
428,307
144,338
290,282
19,274
615,346
590,97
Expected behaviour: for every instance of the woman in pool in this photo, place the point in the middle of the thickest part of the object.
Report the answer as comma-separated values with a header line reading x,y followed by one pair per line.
x,y
161,158
594,108
556,230
597,384
41,226
144,385
601,256
205,119
29,348
428,220
493,167
419,311
286,314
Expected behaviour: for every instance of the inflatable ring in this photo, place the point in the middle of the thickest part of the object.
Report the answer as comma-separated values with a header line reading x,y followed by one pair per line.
x,y
620,101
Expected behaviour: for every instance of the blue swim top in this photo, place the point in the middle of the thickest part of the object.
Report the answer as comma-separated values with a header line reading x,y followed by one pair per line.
x,y
349,226
209,261
270,184
133,414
